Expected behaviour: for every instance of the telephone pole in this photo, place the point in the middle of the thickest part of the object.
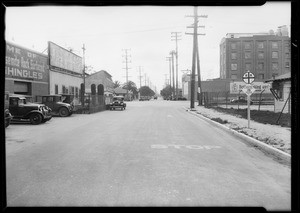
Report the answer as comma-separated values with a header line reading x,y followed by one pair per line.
x,y
169,59
195,58
140,76
166,79
83,50
82,88
172,53
176,36
126,67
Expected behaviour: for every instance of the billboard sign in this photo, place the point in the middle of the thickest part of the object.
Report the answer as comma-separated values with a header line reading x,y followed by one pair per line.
x,y
64,59
25,64
237,87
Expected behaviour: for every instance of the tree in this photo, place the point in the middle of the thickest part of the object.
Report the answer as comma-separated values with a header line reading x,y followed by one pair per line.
x,y
131,86
146,91
166,92
117,84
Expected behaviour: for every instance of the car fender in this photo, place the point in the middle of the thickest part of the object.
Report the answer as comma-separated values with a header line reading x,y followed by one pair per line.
x,y
33,111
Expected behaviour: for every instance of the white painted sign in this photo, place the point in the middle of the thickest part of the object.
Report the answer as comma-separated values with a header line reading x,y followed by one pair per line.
x,y
248,77
176,146
248,89
236,87
62,58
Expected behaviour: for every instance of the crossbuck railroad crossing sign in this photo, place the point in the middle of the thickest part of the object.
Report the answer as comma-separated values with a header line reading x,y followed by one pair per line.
x,y
248,77
248,89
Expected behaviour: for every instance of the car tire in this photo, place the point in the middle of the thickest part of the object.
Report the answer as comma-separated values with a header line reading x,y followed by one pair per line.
x,y
63,112
35,119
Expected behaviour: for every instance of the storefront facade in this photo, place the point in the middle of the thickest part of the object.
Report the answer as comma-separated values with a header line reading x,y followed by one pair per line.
x,y
26,71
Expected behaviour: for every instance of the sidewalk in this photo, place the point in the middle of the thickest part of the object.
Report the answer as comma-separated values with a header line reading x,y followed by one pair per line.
x,y
273,135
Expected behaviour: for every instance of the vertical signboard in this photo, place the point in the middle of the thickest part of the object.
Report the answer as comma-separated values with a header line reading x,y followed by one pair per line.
x,y
21,63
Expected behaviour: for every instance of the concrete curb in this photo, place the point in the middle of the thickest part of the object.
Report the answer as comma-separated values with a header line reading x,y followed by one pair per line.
x,y
269,149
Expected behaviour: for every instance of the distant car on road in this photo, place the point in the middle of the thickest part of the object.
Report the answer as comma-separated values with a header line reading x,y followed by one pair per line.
x,y
23,110
144,98
117,102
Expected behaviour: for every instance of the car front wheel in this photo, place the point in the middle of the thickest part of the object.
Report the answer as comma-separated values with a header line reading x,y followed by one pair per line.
x,y
63,112
35,119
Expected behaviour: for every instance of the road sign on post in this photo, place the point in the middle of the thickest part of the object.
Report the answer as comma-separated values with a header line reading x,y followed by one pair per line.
x,y
248,89
248,77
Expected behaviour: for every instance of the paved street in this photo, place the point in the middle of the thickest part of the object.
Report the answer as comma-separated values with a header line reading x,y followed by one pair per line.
x,y
152,154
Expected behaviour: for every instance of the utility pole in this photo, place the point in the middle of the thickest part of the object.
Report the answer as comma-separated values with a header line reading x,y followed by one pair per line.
x,y
166,79
195,57
83,92
126,67
140,76
173,88
145,79
176,35
169,59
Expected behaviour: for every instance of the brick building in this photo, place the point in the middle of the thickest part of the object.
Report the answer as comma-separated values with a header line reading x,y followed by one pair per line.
x,y
26,71
100,77
266,55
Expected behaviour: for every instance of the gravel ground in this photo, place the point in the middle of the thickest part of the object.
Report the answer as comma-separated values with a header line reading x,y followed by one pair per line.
x,y
274,135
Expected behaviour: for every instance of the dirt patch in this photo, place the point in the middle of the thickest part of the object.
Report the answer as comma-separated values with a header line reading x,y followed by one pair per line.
x,y
265,117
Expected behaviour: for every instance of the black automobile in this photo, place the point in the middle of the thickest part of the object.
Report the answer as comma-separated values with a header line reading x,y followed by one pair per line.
x,y
117,102
22,110
7,115
57,105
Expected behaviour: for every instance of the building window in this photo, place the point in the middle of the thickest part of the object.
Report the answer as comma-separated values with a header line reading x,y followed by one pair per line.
x,y
72,90
56,89
248,66
233,46
247,45
233,76
233,56
287,64
76,92
261,76
63,89
260,66
274,44
260,45
274,66
287,55
260,55
247,55
274,54
234,67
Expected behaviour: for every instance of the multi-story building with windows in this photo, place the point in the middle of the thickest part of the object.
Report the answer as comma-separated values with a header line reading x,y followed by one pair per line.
x,y
266,55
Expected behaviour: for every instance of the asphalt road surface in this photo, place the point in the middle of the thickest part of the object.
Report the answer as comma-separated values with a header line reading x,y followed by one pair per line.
x,y
152,154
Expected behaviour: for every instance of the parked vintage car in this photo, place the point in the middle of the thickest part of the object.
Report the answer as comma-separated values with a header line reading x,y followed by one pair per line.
x,y
7,115
22,110
57,105
117,102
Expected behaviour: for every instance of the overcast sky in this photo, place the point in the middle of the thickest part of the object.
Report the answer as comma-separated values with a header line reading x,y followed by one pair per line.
x,y
145,30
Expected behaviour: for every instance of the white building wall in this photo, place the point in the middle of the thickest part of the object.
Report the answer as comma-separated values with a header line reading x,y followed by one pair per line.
x,y
61,79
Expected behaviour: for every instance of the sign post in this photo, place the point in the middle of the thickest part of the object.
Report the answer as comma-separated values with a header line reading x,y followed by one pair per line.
x,y
248,78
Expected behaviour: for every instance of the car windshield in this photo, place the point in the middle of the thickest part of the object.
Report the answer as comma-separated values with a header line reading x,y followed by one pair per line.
x,y
118,99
